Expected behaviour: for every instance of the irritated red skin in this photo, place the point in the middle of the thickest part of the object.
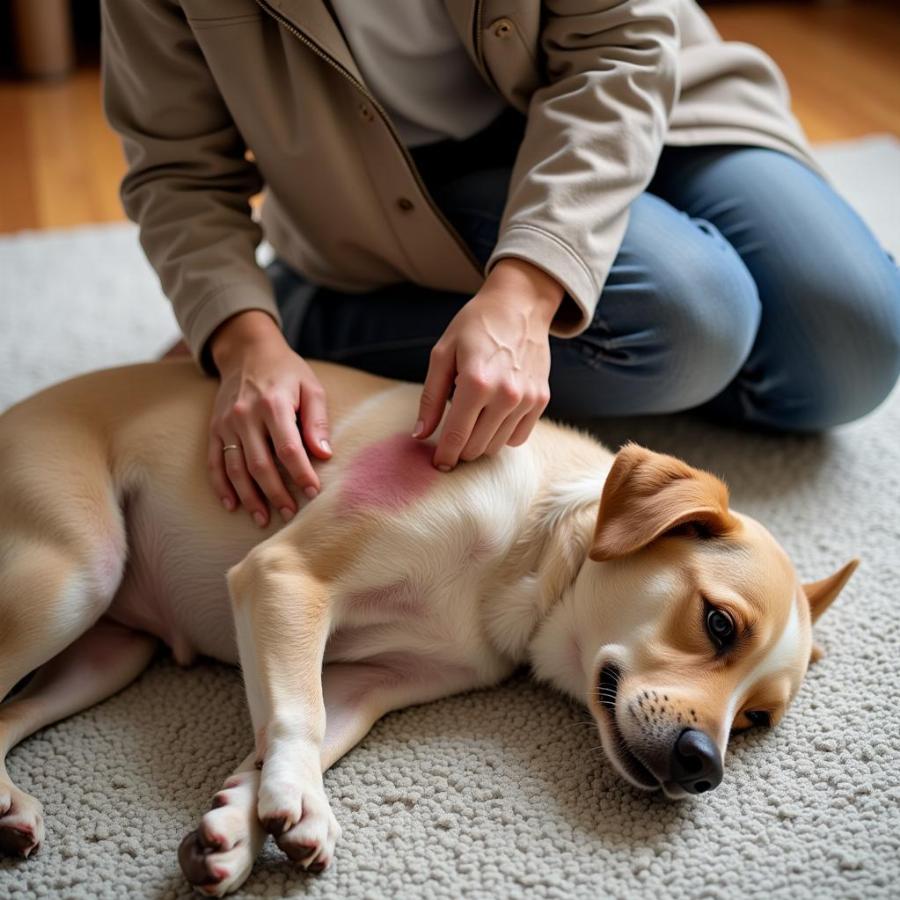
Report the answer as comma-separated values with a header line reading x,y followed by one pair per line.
x,y
388,474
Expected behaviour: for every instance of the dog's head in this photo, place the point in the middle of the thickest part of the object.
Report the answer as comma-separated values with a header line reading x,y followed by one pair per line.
x,y
705,630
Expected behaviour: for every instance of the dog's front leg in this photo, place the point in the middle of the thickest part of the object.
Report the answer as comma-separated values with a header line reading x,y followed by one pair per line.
x,y
282,619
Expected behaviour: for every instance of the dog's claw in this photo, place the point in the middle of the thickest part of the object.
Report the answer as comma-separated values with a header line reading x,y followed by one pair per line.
x,y
297,813
311,841
300,852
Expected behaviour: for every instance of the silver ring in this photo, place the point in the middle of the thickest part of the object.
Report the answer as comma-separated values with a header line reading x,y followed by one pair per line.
x,y
228,447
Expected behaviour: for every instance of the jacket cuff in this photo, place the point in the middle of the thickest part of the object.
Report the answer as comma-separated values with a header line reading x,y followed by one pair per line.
x,y
557,259
218,305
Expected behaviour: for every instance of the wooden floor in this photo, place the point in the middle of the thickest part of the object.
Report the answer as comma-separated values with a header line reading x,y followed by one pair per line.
x,y
61,165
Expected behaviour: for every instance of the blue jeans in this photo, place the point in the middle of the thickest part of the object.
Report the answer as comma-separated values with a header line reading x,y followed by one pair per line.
x,y
745,287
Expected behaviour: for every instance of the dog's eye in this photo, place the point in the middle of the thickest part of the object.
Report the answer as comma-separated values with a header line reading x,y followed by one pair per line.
x,y
719,627
759,717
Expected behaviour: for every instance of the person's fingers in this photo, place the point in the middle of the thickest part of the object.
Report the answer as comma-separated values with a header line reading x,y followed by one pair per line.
x,y
314,423
507,398
435,390
261,467
505,430
215,464
281,421
236,470
529,420
472,392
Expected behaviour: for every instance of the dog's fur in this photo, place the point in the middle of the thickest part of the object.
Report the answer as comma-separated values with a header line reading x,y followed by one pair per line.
x,y
397,585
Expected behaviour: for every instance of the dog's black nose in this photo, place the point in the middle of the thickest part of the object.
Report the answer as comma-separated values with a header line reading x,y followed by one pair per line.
x,y
696,763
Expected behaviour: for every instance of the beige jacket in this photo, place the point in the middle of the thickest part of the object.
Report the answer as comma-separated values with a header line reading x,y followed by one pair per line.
x,y
193,85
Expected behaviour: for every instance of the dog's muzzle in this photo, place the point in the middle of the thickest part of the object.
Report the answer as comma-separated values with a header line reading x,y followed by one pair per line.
x,y
680,760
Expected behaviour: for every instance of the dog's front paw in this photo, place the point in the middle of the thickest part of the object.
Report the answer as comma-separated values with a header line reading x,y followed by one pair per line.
x,y
21,822
218,856
299,817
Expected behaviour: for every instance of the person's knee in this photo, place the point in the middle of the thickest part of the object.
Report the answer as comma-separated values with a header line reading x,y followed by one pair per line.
x,y
856,364
676,321
877,353
858,380
712,314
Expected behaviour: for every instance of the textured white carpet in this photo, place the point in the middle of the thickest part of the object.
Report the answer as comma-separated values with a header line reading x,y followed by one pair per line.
x,y
503,793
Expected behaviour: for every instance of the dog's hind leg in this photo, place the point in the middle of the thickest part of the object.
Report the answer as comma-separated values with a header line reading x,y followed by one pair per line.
x,y
102,661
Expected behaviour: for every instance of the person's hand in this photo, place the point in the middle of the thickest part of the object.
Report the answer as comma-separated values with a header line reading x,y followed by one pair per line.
x,y
496,351
263,386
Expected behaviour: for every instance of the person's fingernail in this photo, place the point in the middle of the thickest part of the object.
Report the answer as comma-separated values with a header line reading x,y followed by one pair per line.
x,y
286,513
325,445
311,492
260,519
420,427
228,503
443,467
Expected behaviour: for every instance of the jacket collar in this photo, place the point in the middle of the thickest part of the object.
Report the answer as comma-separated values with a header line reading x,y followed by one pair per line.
x,y
316,23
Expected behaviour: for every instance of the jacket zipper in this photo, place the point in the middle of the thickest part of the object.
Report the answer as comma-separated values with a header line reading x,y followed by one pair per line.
x,y
287,24
477,17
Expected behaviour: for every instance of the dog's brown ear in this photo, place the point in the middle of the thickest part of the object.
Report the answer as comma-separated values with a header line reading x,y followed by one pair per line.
x,y
821,594
648,494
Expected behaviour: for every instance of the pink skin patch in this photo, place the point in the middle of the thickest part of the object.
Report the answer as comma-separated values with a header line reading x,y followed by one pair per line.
x,y
389,474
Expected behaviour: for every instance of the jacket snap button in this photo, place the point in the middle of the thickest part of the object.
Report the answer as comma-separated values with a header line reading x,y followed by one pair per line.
x,y
365,112
404,204
502,28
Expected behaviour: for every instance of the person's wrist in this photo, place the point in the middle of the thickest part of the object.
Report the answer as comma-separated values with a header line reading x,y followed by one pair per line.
x,y
529,284
240,333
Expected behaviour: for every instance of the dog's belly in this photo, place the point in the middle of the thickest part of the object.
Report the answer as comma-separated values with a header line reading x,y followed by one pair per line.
x,y
199,622
174,585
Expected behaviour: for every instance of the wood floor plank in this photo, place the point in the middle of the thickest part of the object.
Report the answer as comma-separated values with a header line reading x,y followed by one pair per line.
x,y
71,152
107,163
841,61
18,208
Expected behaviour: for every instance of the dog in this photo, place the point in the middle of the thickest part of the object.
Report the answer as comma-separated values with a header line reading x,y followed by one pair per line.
x,y
624,579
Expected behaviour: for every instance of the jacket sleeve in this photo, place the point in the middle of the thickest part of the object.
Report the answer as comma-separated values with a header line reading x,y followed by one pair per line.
x,y
189,181
593,138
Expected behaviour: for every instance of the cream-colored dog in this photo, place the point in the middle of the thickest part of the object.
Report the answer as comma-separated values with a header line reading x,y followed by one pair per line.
x,y
625,581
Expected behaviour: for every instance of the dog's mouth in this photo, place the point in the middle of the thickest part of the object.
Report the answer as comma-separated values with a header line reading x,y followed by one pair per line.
x,y
617,747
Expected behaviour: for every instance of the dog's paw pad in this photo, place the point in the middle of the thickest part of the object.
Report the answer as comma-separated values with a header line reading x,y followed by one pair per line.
x,y
17,840
218,856
212,870
21,824
194,857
